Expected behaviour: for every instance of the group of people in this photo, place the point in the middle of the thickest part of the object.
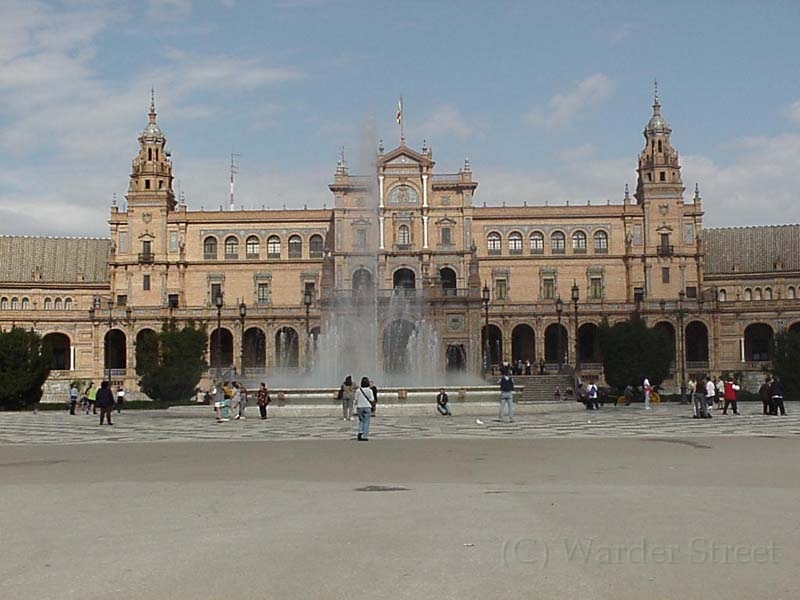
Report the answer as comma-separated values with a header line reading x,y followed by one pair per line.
x,y
771,393
93,398
230,399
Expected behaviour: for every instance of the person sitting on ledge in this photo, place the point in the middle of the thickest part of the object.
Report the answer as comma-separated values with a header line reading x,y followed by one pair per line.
x,y
443,404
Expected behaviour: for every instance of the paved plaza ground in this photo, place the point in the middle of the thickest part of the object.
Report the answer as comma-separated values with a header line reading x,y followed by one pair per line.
x,y
562,503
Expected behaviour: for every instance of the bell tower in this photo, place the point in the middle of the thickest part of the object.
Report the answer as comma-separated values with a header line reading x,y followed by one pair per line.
x,y
151,171
659,170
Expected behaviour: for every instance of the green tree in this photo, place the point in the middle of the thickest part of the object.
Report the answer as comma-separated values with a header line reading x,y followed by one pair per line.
x,y
632,351
146,352
786,361
180,365
24,367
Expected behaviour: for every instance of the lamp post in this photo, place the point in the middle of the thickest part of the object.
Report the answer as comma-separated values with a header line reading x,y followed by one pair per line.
x,y
308,300
560,349
218,301
680,312
242,317
485,300
107,345
576,293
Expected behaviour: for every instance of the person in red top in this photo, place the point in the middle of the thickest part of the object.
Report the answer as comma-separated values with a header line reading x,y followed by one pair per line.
x,y
729,395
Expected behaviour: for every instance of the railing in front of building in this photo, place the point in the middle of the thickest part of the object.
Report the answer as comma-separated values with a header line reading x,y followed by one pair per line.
x,y
696,365
147,257
666,250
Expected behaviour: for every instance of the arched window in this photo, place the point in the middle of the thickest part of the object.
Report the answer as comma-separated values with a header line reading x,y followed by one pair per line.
x,y
252,248
48,304
515,243
748,294
295,247
537,243
579,242
767,293
790,293
557,242
274,247
722,295
15,304
68,304
231,248
58,305
315,246
26,304
493,243
3,303
600,242
403,235
210,248
757,294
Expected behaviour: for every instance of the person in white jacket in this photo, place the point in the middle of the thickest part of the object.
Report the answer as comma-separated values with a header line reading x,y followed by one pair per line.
x,y
364,401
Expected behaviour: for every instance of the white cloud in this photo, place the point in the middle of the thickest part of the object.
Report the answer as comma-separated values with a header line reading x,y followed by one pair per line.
x,y
445,120
563,108
792,112
168,9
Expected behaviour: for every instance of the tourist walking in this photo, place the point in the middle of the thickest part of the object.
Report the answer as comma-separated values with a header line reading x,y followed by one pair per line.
x,y
591,397
699,405
104,400
443,403
263,400
776,396
347,394
763,393
238,402
719,385
506,396
729,390
363,399
120,399
73,398
647,389
690,385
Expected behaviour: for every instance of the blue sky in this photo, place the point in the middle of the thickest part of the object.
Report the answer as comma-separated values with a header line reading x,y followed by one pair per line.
x,y
547,99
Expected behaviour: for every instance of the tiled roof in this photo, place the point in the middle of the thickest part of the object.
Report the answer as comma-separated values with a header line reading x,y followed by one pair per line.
x,y
752,249
59,260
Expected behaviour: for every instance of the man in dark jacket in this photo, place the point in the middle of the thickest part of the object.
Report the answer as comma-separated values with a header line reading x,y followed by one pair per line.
x,y
105,402
776,393
763,393
506,395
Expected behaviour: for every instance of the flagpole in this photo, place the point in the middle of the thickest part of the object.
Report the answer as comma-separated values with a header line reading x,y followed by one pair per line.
x,y
400,121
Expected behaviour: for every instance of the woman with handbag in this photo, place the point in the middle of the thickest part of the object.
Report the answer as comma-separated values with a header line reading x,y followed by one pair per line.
x,y
364,402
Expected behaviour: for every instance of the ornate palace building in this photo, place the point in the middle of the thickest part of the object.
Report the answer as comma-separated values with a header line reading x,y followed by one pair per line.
x,y
497,283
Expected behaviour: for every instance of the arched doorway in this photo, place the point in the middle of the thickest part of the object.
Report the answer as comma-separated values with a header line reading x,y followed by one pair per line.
x,y
362,281
61,351
556,344
395,346
523,344
116,355
254,349
146,351
794,328
669,331
492,347
696,345
448,279
758,342
287,348
221,350
589,343
456,357
404,279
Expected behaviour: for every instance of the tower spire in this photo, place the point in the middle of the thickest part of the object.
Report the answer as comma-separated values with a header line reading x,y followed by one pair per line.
x,y
152,105
655,91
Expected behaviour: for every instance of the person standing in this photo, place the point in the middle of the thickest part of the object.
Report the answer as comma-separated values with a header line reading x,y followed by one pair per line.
x,y
776,396
443,403
729,395
347,395
120,399
374,389
763,393
506,396
591,397
690,385
541,366
711,392
699,399
263,400
720,387
237,402
73,397
647,389
363,399
91,398
105,401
